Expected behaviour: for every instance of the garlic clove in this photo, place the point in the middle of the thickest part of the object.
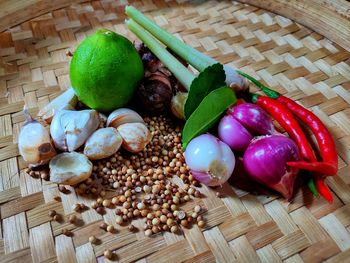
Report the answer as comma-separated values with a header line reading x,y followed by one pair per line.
x,y
121,116
70,168
103,143
66,101
135,136
70,129
34,142
177,105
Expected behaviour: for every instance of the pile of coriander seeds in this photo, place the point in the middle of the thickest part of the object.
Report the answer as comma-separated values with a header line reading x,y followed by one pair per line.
x,y
143,184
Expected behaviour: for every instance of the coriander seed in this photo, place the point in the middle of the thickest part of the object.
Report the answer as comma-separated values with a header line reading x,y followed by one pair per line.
x,y
148,232
52,213
201,223
108,254
92,239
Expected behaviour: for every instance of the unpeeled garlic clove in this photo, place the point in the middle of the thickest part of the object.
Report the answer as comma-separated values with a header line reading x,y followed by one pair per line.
x,y
70,168
135,136
177,105
103,143
121,116
70,129
34,142
66,101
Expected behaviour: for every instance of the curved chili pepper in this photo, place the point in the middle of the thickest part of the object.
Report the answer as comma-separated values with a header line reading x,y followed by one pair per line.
x,y
286,119
329,164
317,127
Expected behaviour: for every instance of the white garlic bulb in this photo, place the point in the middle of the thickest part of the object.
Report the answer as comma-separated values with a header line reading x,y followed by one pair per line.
x,y
103,143
135,136
70,129
66,101
121,116
70,168
34,142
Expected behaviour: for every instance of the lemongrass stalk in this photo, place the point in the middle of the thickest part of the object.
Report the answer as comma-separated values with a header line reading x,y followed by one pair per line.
x,y
195,58
179,70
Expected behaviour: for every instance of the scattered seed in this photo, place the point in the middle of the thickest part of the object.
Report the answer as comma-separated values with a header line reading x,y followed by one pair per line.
x,y
131,228
72,219
67,232
174,229
57,198
197,208
104,226
108,254
110,229
52,213
92,239
201,223
57,218
148,232
155,221
119,220
76,207
100,210
63,189
106,203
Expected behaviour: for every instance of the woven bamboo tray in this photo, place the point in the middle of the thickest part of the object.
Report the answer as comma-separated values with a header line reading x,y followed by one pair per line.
x,y
242,225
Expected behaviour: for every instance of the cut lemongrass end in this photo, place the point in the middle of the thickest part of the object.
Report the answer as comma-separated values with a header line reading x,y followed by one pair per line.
x,y
197,59
179,70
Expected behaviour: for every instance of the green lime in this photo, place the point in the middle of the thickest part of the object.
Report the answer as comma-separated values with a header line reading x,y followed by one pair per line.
x,y
105,70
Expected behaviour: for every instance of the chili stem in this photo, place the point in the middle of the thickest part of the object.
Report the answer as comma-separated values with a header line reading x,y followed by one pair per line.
x,y
195,58
179,70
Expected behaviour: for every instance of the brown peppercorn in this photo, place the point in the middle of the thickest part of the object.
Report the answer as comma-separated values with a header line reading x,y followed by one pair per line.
x,y
184,223
119,220
155,229
148,232
67,232
110,229
197,209
131,228
72,219
57,218
94,205
63,189
201,224
174,229
108,254
57,198
52,213
104,226
92,239
197,194
106,203
76,207
100,210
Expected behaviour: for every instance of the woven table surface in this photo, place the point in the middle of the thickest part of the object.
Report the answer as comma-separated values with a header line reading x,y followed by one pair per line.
x,y
245,224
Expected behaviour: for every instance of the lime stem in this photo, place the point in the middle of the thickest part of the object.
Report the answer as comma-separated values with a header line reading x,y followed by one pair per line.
x,y
179,70
195,58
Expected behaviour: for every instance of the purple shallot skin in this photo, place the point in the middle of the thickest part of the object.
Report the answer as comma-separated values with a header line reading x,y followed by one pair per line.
x,y
265,161
253,118
233,133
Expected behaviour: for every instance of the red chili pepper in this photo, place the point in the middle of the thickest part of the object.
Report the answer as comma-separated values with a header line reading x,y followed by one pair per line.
x,y
323,189
286,119
326,144
329,164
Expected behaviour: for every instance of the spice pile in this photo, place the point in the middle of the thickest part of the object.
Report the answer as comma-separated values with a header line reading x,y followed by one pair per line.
x,y
143,181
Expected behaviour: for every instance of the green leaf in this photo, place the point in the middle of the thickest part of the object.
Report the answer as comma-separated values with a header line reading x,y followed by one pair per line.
x,y
208,113
211,78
